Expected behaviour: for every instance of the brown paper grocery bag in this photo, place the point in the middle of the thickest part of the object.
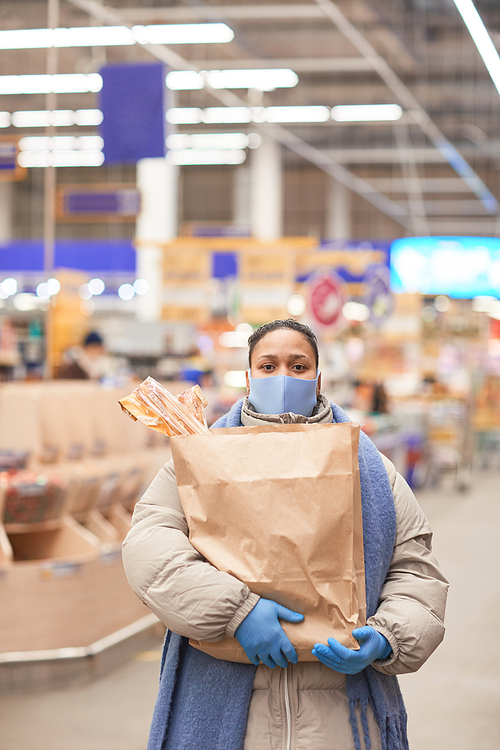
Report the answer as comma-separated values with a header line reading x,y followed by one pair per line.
x,y
279,508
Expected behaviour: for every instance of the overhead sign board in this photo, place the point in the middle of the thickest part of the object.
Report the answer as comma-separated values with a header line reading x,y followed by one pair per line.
x,y
461,267
98,203
266,267
350,260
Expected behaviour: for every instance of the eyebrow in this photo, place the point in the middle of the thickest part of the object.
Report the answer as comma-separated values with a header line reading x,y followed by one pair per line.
x,y
275,356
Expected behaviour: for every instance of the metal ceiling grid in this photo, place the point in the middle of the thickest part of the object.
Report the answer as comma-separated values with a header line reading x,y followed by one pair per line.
x,y
435,169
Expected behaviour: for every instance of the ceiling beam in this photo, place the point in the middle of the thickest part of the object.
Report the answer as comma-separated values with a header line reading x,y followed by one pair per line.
x,y
406,98
428,184
381,155
454,227
301,11
454,208
298,64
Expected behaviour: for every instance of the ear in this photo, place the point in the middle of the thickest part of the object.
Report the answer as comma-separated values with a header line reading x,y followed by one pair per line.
x,y
247,381
318,389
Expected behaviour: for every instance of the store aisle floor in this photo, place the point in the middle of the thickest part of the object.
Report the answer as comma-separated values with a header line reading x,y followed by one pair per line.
x,y
453,701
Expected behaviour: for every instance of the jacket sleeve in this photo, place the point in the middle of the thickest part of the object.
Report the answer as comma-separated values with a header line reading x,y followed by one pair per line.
x,y
189,595
413,598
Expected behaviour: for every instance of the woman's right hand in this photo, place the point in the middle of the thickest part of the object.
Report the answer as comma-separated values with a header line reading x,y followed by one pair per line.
x,y
262,637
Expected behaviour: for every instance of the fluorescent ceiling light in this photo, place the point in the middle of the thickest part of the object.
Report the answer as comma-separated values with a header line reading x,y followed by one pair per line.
x,y
64,83
184,80
5,119
92,36
88,117
366,112
90,143
212,156
261,79
60,158
111,36
184,115
61,143
481,38
35,143
57,117
297,114
26,38
227,114
41,118
218,115
178,141
185,33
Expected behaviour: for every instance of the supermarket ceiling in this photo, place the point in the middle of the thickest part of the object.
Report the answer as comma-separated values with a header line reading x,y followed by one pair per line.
x,y
433,165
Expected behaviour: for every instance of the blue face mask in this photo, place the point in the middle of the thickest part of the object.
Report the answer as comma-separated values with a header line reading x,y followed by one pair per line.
x,y
279,394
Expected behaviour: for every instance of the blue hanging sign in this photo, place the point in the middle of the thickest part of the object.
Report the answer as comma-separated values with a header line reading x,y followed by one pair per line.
x,y
133,103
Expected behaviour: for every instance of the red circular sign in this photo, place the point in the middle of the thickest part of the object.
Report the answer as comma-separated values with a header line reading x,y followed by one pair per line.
x,y
326,300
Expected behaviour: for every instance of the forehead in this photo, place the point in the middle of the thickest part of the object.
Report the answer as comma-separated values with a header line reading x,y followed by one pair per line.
x,y
283,341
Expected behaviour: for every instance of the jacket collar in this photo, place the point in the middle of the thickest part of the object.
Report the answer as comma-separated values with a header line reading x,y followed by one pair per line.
x,y
322,414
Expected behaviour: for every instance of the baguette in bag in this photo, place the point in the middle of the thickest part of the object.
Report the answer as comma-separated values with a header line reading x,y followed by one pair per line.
x,y
154,406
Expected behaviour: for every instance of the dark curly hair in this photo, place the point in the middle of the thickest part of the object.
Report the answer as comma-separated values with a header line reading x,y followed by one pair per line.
x,y
292,325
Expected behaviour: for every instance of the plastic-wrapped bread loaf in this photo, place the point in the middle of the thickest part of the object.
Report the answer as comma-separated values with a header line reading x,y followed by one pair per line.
x,y
195,402
154,406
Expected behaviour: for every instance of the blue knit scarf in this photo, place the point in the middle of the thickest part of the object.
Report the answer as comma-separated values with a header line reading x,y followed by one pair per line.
x,y
203,702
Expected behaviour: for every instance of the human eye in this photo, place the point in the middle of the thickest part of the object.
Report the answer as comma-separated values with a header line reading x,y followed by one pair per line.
x,y
268,367
299,368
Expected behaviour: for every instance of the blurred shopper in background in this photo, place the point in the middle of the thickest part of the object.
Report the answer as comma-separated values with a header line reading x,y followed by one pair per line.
x,y
85,362
196,368
379,399
340,700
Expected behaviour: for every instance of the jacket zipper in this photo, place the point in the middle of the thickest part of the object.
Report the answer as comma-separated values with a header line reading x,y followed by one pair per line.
x,y
288,717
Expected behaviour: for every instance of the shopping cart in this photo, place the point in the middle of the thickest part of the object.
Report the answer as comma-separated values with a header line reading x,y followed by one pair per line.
x,y
487,447
449,441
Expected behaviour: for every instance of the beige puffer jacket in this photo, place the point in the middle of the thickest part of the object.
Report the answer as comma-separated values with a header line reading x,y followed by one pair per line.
x,y
305,706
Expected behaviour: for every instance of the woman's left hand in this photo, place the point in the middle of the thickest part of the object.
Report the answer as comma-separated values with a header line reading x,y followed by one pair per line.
x,y
373,645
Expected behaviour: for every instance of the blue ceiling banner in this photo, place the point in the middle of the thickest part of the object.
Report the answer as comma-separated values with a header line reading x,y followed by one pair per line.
x,y
95,256
133,102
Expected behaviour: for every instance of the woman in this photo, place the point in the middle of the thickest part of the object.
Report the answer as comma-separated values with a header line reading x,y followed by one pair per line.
x,y
343,699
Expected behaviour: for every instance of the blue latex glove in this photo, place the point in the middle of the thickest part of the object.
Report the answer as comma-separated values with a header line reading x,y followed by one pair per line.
x,y
373,645
263,638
